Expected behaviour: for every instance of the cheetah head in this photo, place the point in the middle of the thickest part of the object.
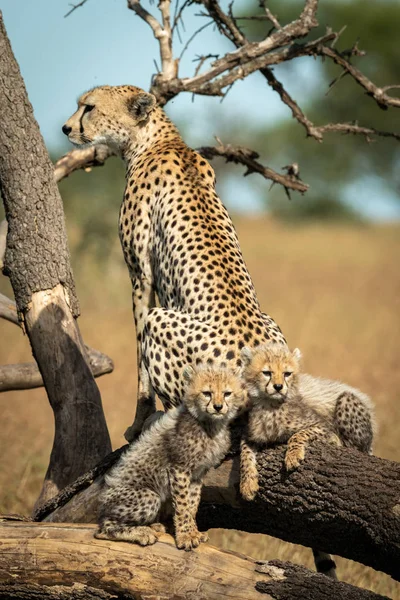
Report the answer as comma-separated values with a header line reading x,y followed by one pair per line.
x,y
271,372
110,115
213,393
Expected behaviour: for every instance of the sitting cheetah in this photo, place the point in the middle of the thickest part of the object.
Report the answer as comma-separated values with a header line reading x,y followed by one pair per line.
x,y
179,243
170,460
288,406
278,412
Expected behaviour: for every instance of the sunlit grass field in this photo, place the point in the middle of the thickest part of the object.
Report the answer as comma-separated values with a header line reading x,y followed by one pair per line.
x,y
333,289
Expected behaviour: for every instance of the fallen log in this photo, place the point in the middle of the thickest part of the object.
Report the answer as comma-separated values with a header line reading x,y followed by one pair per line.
x,y
340,501
65,562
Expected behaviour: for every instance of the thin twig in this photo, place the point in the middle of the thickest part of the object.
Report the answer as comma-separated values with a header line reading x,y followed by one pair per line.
x,y
247,157
74,7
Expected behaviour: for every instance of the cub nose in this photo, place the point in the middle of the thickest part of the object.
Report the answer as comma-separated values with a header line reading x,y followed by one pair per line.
x,y
218,407
278,386
67,130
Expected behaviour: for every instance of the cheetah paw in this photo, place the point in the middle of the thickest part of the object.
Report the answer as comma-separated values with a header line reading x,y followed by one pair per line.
x,y
189,540
144,536
293,458
249,488
158,528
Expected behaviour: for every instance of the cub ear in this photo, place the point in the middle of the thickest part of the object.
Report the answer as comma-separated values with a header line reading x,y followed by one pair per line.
x,y
296,354
188,373
141,106
246,355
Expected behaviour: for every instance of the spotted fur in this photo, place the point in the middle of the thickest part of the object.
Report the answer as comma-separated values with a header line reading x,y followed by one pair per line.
x,y
289,406
170,460
179,244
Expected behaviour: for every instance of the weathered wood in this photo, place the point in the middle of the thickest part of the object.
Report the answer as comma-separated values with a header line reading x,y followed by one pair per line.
x,y
3,241
25,376
38,264
340,501
67,562
8,309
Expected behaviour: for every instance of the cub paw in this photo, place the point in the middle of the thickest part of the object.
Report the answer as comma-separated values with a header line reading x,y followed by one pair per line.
x,y
249,488
144,536
190,539
334,440
293,458
158,528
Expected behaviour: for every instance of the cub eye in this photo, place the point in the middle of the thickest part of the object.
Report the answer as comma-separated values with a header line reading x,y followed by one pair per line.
x,y
288,373
88,108
207,395
227,394
267,373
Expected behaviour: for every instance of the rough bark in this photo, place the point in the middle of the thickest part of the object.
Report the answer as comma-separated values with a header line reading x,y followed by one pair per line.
x,y
37,262
339,501
65,562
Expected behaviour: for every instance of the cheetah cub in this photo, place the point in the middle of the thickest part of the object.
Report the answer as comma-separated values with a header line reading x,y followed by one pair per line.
x,y
288,406
170,460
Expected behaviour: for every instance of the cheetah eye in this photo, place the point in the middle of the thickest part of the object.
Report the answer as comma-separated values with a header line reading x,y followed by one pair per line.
x,y
227,394
207,395
288,373
267,373
88,108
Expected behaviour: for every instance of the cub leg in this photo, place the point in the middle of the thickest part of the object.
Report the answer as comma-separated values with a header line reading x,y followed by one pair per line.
x,y
298,442
129,515
248,471
185,500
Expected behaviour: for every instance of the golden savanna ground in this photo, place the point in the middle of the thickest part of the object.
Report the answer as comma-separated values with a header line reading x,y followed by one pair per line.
x,y
334,290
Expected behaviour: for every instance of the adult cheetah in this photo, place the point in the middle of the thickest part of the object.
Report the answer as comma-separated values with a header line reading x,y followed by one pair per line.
x,y
179,243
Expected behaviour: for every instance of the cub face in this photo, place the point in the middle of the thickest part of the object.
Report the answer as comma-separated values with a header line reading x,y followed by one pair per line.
x,y
270,372
213,393
109,115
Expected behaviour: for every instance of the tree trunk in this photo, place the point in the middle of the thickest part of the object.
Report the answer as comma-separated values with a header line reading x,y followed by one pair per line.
x,y
340,501
38,264
66,562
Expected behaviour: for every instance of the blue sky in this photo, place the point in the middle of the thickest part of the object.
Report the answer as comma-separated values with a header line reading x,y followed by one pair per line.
x,y
104,42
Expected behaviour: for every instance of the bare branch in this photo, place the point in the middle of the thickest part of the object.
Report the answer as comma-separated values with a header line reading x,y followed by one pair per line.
x,y
163,33
26,376
244,156
190,40
377,93
8,310
81,158
74,7
355,129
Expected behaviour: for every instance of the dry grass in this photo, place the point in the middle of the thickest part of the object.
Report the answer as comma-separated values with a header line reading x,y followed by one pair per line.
x,y
335,291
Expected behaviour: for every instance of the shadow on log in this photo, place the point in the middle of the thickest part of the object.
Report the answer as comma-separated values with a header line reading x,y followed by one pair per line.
x,y
65,562
340,501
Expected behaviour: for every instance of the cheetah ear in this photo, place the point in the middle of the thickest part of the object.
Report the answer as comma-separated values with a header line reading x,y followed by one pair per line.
x,y
141,106
188,373
296,354
246,355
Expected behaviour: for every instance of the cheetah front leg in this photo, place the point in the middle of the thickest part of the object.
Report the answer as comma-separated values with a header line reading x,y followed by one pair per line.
x,y
185,499
248,471
143,299
298,442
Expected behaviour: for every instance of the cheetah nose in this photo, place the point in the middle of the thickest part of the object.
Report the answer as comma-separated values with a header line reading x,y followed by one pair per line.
x,y
278,386
67,130
218,407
